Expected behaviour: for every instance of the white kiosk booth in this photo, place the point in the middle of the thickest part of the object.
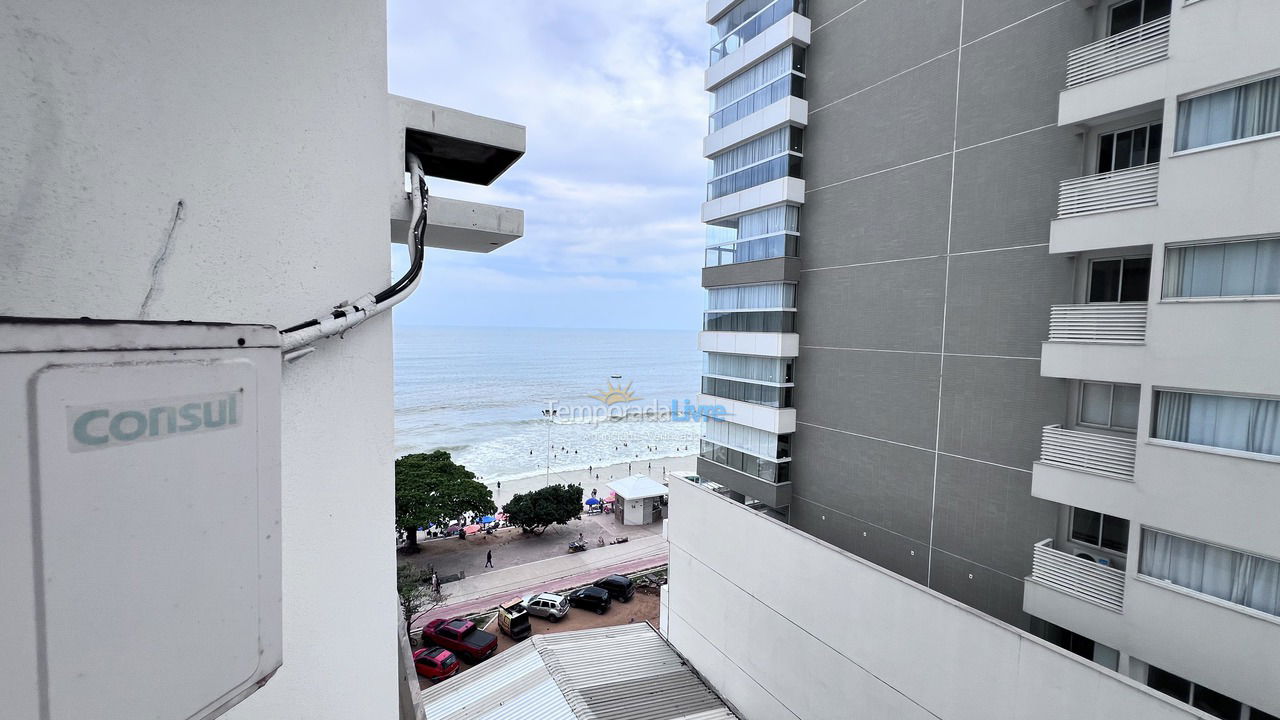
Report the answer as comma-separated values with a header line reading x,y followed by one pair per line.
x,y
639,499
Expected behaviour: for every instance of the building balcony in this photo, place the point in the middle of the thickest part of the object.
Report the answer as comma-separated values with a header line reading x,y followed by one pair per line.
x,y
773,494
1087,452
1106,210
793,29
1078,577
1115,73
1108,192
1100,341
790,110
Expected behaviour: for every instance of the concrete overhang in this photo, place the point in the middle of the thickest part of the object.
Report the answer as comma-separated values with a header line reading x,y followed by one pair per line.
x,y
462,225
455,145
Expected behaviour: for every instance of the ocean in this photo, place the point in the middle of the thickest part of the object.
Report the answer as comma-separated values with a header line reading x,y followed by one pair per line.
x,y
480,394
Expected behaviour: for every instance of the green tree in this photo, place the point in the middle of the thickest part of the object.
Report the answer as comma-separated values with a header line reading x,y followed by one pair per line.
x,y
552,505
416,594
432,488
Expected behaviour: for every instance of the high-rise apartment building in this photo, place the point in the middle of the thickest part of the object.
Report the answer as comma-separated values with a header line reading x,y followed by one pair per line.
x,y
994,303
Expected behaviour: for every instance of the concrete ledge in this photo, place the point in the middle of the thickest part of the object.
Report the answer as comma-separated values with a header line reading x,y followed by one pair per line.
x,y
1105,230
461,225
783,269
773,495
1127,93
775,192
790,110
1123,363
786,345
716,8
779,421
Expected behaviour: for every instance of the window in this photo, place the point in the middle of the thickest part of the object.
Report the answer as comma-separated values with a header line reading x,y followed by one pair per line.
x,y
1232,114
787,60
1119,279
1224,421
762,160
1130,148
1232,269
748,367
1131,14
781,321
768,395
1197,696
752,297
1231,575
747,439
1101,531
767,470
1110,406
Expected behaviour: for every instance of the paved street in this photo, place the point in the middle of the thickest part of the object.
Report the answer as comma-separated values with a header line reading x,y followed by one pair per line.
x,y
487,590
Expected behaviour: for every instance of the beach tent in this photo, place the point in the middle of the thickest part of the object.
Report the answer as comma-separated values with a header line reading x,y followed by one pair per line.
x,y
639,499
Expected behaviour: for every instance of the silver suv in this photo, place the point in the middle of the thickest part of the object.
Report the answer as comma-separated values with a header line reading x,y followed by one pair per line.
x,y
547,605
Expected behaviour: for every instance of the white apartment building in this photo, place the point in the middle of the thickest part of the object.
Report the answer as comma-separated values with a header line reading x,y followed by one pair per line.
x,y
875,333
1166,565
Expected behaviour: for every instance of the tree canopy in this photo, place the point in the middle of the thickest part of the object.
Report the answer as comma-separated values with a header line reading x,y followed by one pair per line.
x,y
432,488
552,505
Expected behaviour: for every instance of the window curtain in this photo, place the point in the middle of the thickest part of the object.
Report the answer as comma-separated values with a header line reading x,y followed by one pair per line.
x,y
1235,423
1232,114
747,367
752,297
1230,575
775,143
1223,269
754,78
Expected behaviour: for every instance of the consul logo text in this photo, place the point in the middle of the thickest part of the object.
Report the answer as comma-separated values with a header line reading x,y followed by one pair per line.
x,y
103,426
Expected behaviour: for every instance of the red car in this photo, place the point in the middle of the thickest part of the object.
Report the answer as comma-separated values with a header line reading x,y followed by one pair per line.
x,y
469,642
435,663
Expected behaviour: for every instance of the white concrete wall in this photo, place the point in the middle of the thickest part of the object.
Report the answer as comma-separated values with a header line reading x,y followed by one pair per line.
x,y
268,121
786,626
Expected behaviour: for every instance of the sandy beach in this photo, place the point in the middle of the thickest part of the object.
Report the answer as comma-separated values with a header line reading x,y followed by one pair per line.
x,y
653,468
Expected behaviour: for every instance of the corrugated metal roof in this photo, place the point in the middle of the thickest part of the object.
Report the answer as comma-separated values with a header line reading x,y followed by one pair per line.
x,y
626,672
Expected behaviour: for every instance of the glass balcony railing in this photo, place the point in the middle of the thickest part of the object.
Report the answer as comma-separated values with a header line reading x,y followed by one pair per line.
x,y
771,321
753,26
756,394
764,248
767,171
767,470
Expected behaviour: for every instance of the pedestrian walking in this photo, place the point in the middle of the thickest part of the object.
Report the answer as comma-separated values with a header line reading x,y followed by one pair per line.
x,y
488,559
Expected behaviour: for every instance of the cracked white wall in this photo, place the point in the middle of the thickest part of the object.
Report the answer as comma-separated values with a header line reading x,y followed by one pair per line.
x,y
267,121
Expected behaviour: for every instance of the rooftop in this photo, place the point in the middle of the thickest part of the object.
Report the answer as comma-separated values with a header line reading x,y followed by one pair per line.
x,y
625,672
638,487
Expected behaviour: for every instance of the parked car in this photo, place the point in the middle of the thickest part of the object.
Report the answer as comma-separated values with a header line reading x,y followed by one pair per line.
x,y
619,587
547,605
513,619
462,637
591,598
435,663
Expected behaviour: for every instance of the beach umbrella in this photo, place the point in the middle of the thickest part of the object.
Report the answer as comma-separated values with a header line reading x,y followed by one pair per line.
x,y
472,528
453,528
611,497
486,519
593,501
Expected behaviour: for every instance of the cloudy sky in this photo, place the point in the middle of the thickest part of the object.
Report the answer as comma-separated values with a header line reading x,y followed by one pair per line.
x,y
610,91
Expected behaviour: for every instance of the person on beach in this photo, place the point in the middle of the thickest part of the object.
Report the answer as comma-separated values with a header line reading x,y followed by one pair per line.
x,y
488,559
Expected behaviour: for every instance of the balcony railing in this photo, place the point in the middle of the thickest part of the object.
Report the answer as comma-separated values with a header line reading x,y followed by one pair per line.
x,y
1088,452
1140,46
1104,192
1098,323
1081,577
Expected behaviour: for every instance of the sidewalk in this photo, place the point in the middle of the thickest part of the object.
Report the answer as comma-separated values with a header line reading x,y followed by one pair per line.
x,y
487,590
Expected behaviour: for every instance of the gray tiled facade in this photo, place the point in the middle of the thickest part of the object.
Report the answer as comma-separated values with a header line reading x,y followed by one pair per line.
x,y
932,163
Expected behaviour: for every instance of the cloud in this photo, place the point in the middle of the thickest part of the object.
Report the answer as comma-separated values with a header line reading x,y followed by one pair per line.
x,y
610,94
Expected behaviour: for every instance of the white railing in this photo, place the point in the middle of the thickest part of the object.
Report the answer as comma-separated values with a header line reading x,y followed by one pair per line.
x,y
1140,46
1103,192
1083,578
1088,452
1098,323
